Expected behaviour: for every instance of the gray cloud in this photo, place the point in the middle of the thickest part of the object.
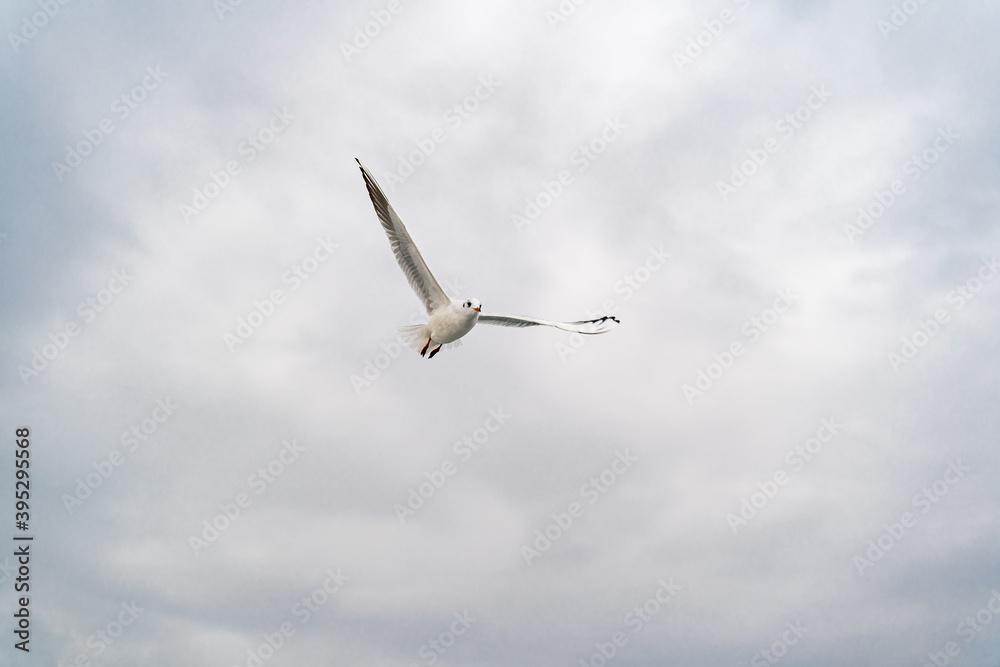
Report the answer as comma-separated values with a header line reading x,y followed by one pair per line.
x,y
236,161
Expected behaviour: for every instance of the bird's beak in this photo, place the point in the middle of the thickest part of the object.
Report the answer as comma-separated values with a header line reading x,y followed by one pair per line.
x,y
478,309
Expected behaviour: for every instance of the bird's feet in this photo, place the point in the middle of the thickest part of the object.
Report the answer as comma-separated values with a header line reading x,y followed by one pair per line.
x,y
424,351
434,351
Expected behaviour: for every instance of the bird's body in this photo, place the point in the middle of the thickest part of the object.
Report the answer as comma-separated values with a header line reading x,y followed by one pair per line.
x,y
448,319
451,322
446,324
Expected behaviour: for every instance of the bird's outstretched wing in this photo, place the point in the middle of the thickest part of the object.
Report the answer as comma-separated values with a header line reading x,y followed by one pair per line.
x,y
420,277
600,325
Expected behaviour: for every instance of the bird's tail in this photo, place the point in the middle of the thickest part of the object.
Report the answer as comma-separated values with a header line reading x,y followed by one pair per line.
x,y
415,335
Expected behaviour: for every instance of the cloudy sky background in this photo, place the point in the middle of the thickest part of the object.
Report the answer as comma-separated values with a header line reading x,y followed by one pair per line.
x,y
365,441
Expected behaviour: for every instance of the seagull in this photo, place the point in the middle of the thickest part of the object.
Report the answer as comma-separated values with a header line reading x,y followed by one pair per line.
x,y
448,319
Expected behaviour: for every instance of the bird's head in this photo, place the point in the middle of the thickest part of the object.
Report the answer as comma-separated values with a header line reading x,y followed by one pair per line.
x,y
473,304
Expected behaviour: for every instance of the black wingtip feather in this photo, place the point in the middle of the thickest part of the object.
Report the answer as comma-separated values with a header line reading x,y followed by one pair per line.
x,y
604,318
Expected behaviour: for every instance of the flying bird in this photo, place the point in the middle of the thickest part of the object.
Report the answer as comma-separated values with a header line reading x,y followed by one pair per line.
x,y
448,319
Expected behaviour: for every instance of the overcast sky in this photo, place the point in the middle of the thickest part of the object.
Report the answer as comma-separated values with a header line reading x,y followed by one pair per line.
x,y
786,452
